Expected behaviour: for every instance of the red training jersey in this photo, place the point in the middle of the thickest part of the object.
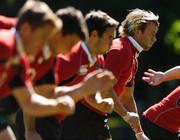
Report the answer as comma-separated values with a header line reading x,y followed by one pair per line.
x,y
7,22
76,65
166,113
121,60
14,68
42,65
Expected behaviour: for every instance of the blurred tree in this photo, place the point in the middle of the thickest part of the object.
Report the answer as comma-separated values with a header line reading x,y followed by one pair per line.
x,y
172,37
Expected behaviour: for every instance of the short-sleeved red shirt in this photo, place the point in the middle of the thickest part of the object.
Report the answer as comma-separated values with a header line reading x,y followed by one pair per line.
x,y
166,113
75,64
14,68
7,22
121,60
41,66
69,65
43,61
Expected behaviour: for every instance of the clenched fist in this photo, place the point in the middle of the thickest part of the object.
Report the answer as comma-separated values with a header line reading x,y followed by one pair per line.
x,y
99,80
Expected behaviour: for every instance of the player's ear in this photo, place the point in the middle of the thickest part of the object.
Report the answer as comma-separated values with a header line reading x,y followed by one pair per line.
x,y
94,34
25,29
137,32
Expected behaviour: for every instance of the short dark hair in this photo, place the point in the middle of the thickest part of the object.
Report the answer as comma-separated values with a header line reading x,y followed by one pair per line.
x,y
37,13
73,22
99,21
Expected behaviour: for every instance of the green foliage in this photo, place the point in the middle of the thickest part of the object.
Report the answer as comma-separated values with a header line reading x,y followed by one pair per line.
x,y
115,122
172,37
119,129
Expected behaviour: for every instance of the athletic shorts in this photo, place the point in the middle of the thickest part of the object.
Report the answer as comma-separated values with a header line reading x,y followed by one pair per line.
x,y
8,105
47,127
3,124
85,124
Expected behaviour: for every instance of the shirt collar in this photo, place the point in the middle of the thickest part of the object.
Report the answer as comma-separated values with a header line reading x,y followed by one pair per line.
x,y
90,57
135,44
20,45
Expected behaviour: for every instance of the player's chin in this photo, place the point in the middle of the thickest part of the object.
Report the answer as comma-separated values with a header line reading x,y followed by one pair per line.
x,y
148,48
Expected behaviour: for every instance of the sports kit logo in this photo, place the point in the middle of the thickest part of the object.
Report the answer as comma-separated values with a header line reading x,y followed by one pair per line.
x,y
32,73
83,69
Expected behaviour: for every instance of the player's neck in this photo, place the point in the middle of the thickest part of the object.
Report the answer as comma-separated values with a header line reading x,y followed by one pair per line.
x,y
91,48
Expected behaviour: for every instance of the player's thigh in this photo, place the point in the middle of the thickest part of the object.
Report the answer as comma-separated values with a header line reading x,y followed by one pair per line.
x,y
7,134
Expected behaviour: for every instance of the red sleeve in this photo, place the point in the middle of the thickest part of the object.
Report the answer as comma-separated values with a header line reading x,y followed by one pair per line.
x,y
67,66
57,70
5,52
63,69
117,61
7,42
7,22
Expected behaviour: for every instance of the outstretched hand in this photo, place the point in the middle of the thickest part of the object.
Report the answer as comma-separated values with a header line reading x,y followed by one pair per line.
x,y
152,77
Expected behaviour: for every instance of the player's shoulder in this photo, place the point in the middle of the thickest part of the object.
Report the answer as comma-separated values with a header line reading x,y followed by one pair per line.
x,y
7,36
7,43
76,48
120,46
76,53
7,22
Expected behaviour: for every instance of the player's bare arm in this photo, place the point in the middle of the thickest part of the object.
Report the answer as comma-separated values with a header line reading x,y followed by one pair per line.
x,y
155,78
44,106
98,80
105,105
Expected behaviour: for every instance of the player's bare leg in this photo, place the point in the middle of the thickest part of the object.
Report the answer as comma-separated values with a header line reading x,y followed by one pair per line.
x,y
7,134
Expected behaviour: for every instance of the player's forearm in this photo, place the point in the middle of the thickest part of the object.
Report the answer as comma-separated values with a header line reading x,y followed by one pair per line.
x,y
129,103
50,91
130,117
127,99
118,106
40,106
36,105
46,90
171,74
133,107
76,92
104,105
